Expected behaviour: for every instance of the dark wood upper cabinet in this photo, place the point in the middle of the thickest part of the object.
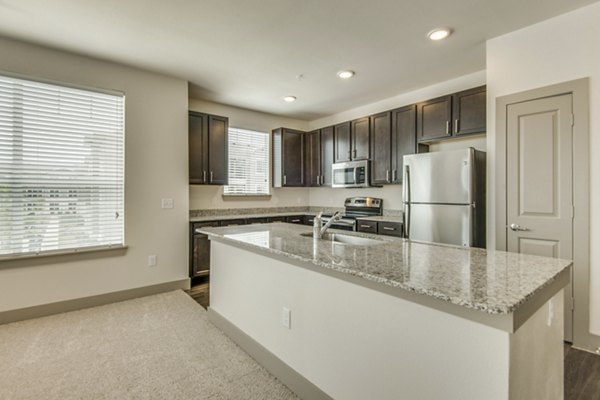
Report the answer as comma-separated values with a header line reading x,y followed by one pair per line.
x,y
469,111
381,148
360,139
288,157
434,118
198,147
342,142
313,175
208,149
404,138
327,155
218,154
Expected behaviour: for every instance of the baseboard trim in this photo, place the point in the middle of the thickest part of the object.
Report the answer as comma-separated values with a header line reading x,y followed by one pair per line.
x,y
91,301
286,374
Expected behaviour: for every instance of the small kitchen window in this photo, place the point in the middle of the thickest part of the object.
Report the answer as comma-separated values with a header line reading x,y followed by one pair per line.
x,y
61,168
248,163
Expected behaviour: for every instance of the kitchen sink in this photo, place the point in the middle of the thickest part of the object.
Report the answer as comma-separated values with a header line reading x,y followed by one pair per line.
x,y
340,238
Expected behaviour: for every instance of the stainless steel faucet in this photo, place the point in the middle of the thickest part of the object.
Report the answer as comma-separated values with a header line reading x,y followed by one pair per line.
x,y
318,230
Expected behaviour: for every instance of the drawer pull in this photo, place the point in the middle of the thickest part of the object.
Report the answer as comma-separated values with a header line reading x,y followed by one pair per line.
x,y
387,228
366,226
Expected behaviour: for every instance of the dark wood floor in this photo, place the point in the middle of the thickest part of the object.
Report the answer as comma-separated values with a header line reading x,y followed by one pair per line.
x,y
582,369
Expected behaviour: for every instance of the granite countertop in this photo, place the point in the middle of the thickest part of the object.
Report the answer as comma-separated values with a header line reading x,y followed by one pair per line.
x,y
494,282
382,218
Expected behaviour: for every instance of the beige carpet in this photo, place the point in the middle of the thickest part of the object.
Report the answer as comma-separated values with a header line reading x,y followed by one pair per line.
x,y
156,347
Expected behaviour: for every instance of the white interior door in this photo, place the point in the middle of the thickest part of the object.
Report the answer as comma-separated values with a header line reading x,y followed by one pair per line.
x,y
539,178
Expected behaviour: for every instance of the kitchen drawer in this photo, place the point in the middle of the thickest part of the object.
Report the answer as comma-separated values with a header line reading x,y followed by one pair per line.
x,y
277,219
389,228
257,220
204,224
366,226
295,219
228,222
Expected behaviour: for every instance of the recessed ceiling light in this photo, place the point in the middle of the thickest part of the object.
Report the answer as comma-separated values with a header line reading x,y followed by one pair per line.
x,y
289,99
345,74
439,33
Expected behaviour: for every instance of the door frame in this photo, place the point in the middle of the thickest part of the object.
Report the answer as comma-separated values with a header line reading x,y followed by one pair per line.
x,y
579,89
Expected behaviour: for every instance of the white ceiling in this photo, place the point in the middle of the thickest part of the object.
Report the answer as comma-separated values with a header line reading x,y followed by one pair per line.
x,y
250,53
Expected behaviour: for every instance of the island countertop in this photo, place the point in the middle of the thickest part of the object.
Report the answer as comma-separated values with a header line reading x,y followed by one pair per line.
x,y
494,282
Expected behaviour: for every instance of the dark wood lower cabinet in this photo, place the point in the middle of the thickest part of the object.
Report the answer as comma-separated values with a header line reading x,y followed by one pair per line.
x,y
200,250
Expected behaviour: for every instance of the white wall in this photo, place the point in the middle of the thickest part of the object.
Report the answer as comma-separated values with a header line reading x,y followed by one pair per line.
x,y
210,197
155,167
554,51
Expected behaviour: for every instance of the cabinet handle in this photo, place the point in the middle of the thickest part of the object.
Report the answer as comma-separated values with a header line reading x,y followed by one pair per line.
x,y
318,179
447,127
204,176
387,228
349,154
366,226
387,175
456,126
394,175
211,176
284,180
354,153
322,179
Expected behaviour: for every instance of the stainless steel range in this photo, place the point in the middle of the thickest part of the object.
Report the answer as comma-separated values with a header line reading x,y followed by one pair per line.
x,y
356,207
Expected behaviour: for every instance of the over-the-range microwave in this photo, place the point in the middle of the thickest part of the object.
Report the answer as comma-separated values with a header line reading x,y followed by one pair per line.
x,y
352,174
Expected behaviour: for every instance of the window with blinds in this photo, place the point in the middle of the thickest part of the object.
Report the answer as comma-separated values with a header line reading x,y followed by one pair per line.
x,y
61,168
248,163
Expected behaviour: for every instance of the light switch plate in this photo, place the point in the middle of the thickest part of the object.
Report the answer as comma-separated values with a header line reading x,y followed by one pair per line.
x,y
167,203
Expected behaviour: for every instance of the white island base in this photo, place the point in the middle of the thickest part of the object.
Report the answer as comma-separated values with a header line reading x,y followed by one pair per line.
x,y
355,342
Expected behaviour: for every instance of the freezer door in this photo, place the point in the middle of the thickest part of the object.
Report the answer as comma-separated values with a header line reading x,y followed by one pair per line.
x,y
450,224
439,177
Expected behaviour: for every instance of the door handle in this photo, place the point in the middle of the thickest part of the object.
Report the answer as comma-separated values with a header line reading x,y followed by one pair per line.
x,y
387,175
394,175
204,176
516,227
284,180
456,126
211,176
447,127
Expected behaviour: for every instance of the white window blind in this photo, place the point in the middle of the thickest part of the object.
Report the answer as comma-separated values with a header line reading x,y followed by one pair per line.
x,y
248,163
61,168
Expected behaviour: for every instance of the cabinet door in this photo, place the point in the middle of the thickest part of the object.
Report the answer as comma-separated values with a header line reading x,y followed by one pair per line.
x,y
313,158
381,148
293,157
197,147
434,119
404,138
200,250
469,111
218,150
327,155
341,137
360,139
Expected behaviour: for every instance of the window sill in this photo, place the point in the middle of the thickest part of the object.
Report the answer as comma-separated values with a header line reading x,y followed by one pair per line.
x,y
59,256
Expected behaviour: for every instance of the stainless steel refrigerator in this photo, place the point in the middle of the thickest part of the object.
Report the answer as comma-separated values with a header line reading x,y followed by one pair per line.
x,y
444,197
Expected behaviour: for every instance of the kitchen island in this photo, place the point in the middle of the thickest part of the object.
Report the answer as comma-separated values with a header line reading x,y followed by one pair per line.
x,y
394,319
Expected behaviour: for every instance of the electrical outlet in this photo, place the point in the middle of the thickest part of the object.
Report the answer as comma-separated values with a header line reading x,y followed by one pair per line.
x,y
286,318
167,203
152,260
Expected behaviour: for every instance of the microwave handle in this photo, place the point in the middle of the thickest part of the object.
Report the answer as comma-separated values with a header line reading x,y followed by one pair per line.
x,y
355,175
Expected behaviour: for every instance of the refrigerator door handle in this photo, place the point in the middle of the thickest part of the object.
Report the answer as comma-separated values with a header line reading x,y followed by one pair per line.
x,y
406,196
